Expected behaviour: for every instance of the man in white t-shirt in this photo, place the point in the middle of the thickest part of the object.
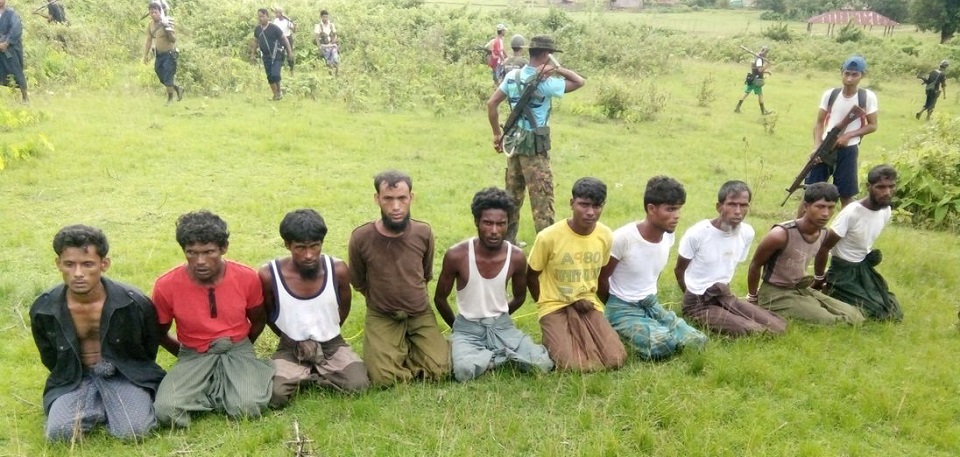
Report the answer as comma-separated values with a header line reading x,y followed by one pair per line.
x,y
708,256
843,167
628,283
852,277
286,25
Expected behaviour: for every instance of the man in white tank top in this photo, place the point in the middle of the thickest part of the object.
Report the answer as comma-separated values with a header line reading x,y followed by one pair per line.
x,y
484,336
307,298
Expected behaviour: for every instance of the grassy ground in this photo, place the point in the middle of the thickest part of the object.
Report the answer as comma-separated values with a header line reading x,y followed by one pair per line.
x,y
130,165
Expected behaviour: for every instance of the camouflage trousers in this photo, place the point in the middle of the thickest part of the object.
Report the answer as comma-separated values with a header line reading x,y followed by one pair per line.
x,y
531,173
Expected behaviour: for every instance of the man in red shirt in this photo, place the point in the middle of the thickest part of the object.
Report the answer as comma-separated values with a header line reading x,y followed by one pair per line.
x,y
218,307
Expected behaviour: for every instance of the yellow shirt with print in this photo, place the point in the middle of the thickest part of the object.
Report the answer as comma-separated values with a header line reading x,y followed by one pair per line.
x,y
569,265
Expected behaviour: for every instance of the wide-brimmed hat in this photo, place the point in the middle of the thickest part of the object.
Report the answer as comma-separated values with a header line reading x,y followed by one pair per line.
x,y
501,27
855,63
517,41
944,63
543,42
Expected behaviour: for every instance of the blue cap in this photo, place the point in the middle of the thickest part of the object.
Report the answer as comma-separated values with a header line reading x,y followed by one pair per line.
x,y
855,63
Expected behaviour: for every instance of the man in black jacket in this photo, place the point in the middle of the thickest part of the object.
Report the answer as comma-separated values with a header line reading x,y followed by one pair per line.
x,y
99,339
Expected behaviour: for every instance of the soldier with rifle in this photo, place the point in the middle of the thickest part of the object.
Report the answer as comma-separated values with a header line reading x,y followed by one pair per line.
x,y
525,136
11,50
755,79
932,85
163,40
55,11
835,104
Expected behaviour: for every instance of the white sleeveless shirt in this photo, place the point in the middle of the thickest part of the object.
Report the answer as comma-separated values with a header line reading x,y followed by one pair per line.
x,y
314,318
482,297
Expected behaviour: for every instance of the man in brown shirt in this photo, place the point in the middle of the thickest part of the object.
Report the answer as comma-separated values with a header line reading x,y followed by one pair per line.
x,y
391,261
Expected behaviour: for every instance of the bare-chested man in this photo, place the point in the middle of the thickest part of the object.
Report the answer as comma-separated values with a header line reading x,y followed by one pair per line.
x,y
99,339
484,336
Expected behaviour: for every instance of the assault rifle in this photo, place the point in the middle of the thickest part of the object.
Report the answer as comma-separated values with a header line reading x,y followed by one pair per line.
x,y
44,5
757,55
511,128
828,144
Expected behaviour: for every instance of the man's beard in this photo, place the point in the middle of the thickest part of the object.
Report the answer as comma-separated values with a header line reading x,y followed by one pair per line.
x,y
877,203
308,273
395,227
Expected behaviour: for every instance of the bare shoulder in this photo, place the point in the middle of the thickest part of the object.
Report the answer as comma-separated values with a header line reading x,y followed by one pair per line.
x,y
457,252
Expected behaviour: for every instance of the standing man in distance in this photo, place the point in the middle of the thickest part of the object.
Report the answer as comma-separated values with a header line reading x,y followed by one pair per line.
x,y
563,274
843,167
99,339
933,84
484,336
273,46
391,262
325,35
161,37
528,162
11,50
708,256
755,80
218,307
783,257
307,299
852,277
497,54
628,283
517,60
287,26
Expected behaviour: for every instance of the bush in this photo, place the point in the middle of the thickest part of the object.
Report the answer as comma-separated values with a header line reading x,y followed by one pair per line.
x,y
928,188
615,100
849,32
778,32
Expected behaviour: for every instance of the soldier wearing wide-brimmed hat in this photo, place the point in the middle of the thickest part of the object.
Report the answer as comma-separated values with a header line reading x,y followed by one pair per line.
x,y
528,146
517,60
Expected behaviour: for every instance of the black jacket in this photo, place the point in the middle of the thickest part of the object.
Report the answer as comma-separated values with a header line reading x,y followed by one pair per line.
x,y
129,337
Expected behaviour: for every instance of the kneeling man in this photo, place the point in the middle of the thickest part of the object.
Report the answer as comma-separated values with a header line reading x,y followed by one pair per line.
x,y
852,277
484,336
784,255
640,252
218,307
307,299
709,254
562,275
99,339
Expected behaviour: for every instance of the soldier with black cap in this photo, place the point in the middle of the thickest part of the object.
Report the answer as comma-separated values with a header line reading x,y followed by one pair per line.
x,y
932,85
528,151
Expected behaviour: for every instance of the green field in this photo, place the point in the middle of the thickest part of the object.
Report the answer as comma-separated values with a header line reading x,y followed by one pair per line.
x,y
126,163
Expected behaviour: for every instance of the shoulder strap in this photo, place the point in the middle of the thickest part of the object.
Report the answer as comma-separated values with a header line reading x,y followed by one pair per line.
x,y
833,97
862,98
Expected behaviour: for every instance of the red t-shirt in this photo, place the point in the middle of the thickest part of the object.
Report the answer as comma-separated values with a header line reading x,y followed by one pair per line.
x,y
177,298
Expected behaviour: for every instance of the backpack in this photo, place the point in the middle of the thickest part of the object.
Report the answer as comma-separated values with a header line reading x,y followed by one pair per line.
x,y
933,81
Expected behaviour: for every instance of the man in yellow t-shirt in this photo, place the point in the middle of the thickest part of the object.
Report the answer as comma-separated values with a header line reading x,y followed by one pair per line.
x,y
563,273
